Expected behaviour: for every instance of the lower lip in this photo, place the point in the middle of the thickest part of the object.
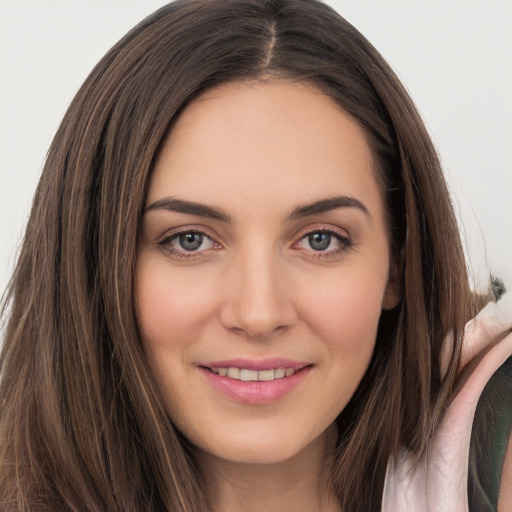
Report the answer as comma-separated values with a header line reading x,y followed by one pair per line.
x,y
256,392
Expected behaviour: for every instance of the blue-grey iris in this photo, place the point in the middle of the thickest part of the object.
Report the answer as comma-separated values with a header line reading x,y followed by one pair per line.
x,y
319,241
191,241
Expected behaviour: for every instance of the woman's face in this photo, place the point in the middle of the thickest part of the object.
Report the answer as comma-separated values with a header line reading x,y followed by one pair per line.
x,y
263,268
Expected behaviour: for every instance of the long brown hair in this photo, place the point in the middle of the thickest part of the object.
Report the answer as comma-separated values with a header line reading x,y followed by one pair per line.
x,y
82,426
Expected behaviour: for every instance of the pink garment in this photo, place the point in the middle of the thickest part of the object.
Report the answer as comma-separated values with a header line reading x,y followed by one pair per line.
x,y
439,481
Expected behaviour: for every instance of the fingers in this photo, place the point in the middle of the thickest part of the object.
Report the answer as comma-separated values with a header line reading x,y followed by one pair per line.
x,y
489,327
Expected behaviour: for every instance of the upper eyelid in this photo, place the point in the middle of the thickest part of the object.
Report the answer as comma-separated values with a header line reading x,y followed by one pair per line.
x,y
341,238
337,231
176,235
175,232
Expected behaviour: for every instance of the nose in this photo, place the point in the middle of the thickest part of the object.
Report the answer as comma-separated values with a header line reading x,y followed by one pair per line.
x,y
258,302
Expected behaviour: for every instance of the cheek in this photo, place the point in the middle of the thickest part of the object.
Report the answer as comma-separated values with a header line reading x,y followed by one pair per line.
x,y
171,308
345,318
345,311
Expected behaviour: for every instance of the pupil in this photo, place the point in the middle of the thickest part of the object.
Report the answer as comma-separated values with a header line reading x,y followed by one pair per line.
x,y
191,241
319,241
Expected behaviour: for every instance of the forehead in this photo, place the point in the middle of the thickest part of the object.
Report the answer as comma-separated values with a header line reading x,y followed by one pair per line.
x,y
261,143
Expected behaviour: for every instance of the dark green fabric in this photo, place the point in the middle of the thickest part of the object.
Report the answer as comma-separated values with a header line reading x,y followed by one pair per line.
x,y
491,430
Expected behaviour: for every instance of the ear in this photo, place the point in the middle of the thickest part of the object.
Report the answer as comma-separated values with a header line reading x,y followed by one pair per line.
x,y
394,289
393,294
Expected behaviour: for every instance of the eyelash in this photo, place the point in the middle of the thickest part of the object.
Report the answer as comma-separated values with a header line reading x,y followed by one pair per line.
x,y
165,244
344,241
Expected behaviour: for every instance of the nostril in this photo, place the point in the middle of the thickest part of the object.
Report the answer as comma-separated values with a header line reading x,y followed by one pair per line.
x,y
259,332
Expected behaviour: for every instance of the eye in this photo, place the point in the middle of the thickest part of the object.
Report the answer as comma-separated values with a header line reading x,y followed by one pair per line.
x,y
319,241
187,244
324,242
189,241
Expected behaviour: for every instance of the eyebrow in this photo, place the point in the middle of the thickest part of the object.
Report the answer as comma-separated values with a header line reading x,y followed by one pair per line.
x,y
202,210
326,205
189,207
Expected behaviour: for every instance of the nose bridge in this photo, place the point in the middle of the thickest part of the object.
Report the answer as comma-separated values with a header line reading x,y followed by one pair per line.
x,y
259,303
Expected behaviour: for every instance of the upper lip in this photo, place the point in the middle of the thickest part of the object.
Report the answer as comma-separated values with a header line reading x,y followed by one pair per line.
x,y
257,365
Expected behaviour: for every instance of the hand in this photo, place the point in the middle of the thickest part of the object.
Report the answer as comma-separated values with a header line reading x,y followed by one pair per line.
x,y
438,483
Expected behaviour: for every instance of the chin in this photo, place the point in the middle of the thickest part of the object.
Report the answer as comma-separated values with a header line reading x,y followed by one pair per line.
x,y
274,448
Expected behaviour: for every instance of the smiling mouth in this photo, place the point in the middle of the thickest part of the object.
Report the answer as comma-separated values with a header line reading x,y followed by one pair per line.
x,y
255,382
246,375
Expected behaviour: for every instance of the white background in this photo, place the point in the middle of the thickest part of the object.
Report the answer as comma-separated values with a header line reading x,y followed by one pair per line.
x,y
455,58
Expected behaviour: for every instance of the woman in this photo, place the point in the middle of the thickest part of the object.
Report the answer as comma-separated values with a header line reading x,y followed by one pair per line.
x,y
239,271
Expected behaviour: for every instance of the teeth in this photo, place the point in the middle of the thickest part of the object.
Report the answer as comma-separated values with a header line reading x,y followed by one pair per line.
x,y
280,373
233,373
266,375
246,375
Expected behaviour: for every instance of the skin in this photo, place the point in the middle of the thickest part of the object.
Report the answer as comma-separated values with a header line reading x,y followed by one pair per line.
x,y
257,288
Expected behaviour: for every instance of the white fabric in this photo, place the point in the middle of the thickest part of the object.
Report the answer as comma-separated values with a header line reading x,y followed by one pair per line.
x,y
439,482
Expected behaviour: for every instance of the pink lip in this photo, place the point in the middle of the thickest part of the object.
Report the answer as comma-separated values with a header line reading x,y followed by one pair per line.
x,y
256,392
252,364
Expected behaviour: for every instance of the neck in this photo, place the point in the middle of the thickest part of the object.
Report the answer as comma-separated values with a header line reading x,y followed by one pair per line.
x,y
301,484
